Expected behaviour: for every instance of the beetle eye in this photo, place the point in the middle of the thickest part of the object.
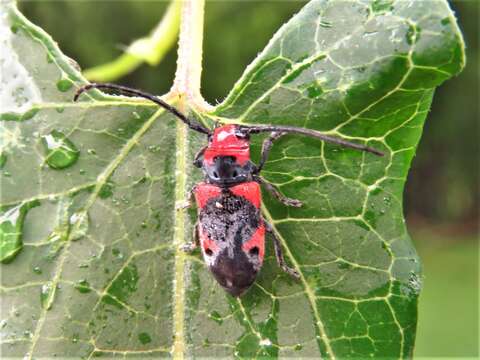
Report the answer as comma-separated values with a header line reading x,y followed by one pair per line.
x,y
240,134
253,251
208,251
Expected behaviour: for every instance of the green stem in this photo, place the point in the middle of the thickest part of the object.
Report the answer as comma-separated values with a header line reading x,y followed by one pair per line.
x,y
186,91
189,64
150,49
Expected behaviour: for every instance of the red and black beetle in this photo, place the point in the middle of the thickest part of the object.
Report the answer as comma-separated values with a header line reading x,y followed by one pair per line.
x,y
230,225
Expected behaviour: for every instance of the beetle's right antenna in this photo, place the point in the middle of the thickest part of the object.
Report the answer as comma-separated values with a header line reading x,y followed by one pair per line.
x,y
256,129
192,124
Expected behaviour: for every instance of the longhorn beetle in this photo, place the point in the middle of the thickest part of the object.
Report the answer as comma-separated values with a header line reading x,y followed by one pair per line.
x,y
230,226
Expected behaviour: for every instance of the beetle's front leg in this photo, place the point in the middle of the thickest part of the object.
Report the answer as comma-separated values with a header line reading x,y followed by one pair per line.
x,y
191,246
279,254
180,205
276,193
266,146
196,161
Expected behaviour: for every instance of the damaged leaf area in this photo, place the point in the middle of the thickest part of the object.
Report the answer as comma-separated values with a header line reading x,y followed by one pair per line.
x,y
90,241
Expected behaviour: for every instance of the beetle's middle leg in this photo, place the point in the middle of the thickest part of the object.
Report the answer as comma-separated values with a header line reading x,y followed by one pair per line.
x,y
276,193
191,246
266,146
180,205
279,254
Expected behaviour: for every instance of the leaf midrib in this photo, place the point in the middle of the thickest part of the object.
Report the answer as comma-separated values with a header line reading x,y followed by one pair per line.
x,y
178,347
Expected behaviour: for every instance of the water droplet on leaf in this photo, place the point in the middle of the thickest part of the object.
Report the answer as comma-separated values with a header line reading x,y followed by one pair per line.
x,y
79,223
3,160
64,85
367,34
265,342
325,24
11,228
379,6
106,190
47,293
83,286
60,152
314,91
154,148
412,35
117,253
144,338
215,316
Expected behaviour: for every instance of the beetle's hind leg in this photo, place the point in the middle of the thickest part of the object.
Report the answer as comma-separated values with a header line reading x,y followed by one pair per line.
x,y
279,254
191,246
276,193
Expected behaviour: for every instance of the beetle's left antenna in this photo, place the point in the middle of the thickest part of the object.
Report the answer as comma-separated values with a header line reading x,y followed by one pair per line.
x,y
192,124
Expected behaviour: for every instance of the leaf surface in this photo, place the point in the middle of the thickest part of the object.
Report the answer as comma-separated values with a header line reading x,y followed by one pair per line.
x,y
90,235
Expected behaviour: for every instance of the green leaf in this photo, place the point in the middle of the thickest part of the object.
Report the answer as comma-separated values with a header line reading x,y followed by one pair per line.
x,y
101,271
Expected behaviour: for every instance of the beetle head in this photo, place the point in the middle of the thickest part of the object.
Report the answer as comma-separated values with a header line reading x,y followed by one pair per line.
x,y
226,160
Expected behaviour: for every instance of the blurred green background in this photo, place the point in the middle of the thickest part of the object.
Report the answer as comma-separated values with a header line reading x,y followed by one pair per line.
x,y
442,197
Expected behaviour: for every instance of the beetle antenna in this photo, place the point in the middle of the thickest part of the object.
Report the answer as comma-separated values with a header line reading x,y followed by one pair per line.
x,y
255,129
192,124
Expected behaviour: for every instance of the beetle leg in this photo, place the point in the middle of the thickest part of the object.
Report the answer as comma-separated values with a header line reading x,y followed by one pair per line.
x,y
279,254
266,146
180,205
191,246
276,193
197,162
